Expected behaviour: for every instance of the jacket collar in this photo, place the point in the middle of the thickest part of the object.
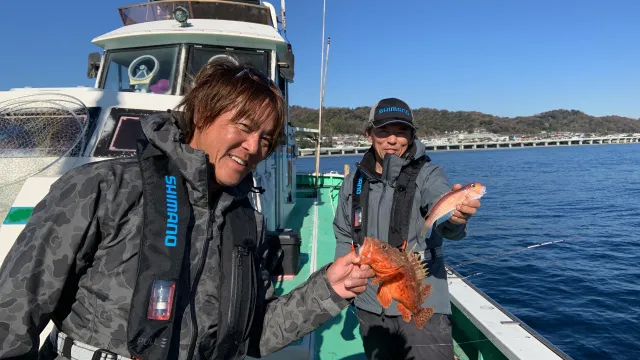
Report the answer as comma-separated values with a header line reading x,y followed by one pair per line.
x,y
163,131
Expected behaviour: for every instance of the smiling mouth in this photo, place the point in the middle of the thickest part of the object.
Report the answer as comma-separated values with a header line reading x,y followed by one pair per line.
x,y
238,160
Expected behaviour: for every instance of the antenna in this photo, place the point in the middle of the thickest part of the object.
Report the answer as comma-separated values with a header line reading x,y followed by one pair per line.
x,y
284,22
324,4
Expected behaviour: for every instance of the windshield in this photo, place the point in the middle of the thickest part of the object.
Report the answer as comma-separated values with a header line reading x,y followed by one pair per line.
x,y
216,10
200,55
149,70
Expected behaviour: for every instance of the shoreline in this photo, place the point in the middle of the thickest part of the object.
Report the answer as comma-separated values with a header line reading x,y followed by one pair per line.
x,y
434,149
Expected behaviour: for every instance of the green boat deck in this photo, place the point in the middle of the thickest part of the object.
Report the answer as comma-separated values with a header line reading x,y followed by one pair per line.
x,y
315,214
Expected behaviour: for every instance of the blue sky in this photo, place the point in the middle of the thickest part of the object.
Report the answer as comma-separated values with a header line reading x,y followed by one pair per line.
x,y
508,58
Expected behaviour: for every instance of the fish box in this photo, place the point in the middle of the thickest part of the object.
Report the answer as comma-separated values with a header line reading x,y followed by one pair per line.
x,y
288,241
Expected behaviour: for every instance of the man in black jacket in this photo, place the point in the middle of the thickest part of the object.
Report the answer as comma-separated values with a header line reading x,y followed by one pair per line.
x,y
162,256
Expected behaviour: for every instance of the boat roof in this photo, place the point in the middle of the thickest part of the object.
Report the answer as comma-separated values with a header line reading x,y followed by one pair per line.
x,y
210,32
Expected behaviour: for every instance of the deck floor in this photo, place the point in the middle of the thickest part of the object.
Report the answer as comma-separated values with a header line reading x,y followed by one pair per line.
x,y
339,338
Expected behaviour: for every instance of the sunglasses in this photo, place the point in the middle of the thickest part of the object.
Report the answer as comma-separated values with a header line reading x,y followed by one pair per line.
x,y
258,75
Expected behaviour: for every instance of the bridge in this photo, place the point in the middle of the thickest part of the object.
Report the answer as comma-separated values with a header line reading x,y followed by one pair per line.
x,y
483,145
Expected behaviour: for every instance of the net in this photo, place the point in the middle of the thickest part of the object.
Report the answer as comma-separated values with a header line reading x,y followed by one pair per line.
x,y
39,126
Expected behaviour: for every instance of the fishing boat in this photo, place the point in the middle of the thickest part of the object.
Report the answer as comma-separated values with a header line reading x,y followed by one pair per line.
x,y
143,68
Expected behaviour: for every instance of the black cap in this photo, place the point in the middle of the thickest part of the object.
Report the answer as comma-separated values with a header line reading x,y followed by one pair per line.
x,y
391,110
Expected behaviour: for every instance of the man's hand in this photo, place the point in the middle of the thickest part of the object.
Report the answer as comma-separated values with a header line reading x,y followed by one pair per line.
x,y
465,210
347,277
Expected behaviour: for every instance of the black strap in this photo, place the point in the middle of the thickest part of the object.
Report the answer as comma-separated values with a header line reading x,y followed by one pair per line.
x,y
237,279
403,200
165,236
359,207
66,346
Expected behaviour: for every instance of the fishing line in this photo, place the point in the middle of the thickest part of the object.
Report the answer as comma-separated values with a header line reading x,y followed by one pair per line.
x,y
509,252
477,260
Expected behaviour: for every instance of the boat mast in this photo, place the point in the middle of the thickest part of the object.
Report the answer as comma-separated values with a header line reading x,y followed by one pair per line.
x,y
324,4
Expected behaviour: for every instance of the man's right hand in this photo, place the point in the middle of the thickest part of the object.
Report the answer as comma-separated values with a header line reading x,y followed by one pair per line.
x,y
347,277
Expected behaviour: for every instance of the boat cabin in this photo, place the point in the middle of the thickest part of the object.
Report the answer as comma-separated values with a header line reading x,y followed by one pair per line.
x,y
162,44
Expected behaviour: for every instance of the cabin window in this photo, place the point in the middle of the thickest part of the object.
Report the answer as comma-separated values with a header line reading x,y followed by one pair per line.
x,y
143,70
200,55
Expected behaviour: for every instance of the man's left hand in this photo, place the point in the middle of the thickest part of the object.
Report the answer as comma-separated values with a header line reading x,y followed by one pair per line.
x,y
465,210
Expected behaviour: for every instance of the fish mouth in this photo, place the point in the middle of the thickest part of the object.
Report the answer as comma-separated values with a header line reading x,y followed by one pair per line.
x,y
364,252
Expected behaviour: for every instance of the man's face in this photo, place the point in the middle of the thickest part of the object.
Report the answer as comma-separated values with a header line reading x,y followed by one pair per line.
x,y
390,139
234,148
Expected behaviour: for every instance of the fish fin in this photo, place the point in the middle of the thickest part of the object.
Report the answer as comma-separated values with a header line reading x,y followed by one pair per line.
x,y
444,218
425,233
415,261
406,314
428,226
380,278
384,297
425,292
422,316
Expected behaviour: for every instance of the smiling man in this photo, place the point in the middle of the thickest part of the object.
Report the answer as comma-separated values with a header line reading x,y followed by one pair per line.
x,y
388,197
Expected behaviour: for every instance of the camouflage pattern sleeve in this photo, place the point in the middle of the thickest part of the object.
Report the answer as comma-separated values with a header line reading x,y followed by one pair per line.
x,y
48,255
292,316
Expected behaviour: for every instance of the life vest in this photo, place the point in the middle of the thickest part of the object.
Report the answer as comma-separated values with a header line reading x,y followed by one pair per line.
x,y
163,267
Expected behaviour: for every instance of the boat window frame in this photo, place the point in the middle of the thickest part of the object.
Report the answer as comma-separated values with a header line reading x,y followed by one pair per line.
x,y
176,71
189,49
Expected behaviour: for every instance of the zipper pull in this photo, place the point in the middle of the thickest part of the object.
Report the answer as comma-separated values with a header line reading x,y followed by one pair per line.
x,y
242,251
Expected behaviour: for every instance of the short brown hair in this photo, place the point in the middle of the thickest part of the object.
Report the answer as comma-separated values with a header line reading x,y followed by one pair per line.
x,y
222,86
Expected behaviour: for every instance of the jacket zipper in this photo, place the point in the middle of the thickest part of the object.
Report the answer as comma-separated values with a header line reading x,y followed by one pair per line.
x,y
252,302
196,279
236,288
384,190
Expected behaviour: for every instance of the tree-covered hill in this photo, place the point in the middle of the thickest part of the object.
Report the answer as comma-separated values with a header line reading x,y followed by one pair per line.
x,y
340,120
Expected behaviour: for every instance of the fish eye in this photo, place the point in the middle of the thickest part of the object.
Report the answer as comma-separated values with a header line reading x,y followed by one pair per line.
x,y
384,247
473,185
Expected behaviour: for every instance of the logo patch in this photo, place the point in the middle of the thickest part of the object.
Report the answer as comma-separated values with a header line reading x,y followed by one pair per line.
x,y
170,238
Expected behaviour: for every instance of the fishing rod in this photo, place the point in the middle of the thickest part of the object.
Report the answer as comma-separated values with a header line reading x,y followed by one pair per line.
x,y
509,252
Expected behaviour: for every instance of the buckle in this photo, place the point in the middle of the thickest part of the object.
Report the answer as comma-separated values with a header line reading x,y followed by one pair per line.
x,y
97,355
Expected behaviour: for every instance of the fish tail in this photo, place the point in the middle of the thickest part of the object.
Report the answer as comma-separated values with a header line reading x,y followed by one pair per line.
x,y
426,229
422,316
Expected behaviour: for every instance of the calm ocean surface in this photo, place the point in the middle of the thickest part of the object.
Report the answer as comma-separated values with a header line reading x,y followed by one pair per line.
x,y
583,295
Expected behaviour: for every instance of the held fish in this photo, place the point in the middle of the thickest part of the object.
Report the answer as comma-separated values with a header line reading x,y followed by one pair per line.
x,y
401,275
444,208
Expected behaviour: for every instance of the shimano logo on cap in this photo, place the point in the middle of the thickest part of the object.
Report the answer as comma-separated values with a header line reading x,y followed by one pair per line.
x,y
170,238
394,108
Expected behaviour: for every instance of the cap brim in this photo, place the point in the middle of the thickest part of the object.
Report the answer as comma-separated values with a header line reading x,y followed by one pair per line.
x,y
379,123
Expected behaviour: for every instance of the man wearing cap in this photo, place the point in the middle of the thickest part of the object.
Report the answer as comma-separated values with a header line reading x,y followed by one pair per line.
x,y
387,198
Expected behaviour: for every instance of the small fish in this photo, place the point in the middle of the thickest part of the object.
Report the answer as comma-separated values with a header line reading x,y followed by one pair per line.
x,y
444,208
401,275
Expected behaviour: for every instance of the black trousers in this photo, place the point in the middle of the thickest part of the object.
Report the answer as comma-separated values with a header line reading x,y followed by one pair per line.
x,y
393,338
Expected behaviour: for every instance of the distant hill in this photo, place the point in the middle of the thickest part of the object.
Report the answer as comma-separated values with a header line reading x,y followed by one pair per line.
x,y
340,120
